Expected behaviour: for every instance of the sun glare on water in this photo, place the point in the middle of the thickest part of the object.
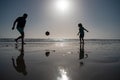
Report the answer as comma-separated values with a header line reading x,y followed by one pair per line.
x,y
63,74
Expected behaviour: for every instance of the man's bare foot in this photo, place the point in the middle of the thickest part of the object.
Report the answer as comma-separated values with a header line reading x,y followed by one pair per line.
x,y
16,41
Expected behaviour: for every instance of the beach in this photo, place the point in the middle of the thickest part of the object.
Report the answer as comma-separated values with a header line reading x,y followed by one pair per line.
x,y
62,60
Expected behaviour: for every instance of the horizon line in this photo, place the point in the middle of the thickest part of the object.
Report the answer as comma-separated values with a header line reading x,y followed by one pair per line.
x,y
65,38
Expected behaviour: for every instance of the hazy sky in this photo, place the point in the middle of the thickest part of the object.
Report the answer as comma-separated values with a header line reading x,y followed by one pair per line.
x,y
60,17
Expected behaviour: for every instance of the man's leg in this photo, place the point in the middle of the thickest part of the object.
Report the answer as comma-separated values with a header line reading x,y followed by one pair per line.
x,y
20,30
22,38
16,40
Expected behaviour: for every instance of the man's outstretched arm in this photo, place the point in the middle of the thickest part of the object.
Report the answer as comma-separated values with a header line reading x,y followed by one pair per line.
x,y
14,24
13,63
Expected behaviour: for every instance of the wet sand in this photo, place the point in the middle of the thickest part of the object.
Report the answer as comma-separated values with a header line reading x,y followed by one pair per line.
x,y
60,61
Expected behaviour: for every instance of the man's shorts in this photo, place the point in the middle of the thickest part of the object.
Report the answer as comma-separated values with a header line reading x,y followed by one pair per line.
x,y
20,30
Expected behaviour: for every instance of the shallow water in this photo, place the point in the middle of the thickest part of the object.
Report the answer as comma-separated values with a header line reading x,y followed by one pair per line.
x,y
98,60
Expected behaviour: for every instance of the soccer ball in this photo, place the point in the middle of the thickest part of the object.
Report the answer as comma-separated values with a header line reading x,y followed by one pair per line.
x,y
47,33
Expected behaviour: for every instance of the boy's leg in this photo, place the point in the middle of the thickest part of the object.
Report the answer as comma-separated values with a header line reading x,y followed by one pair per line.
x,y
83,40
80,40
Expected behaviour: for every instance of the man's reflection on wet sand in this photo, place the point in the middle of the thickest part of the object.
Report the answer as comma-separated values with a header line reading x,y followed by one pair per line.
x,y
20,63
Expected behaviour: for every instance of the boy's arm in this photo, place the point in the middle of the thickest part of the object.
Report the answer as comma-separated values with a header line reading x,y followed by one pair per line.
x,y
78,33
86,30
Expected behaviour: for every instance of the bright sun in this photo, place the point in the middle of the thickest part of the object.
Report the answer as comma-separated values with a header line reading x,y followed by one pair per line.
x,y
62,5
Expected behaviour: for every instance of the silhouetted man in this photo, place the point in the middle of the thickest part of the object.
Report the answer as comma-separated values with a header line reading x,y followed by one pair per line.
x,y
21,21
81,32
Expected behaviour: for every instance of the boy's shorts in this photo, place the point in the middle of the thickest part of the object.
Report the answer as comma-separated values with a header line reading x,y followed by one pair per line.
x,y
81,35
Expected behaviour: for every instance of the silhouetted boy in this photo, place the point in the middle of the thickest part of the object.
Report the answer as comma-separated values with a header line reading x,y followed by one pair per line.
x,y
81,32
21,21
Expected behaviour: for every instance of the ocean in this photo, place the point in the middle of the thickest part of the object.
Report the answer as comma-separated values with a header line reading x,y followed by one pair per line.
x,y
60,59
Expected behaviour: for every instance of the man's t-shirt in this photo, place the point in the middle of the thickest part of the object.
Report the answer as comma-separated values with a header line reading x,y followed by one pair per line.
x,y
21,22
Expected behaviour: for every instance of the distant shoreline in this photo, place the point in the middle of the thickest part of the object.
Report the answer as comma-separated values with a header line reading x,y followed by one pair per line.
x,y
54,40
